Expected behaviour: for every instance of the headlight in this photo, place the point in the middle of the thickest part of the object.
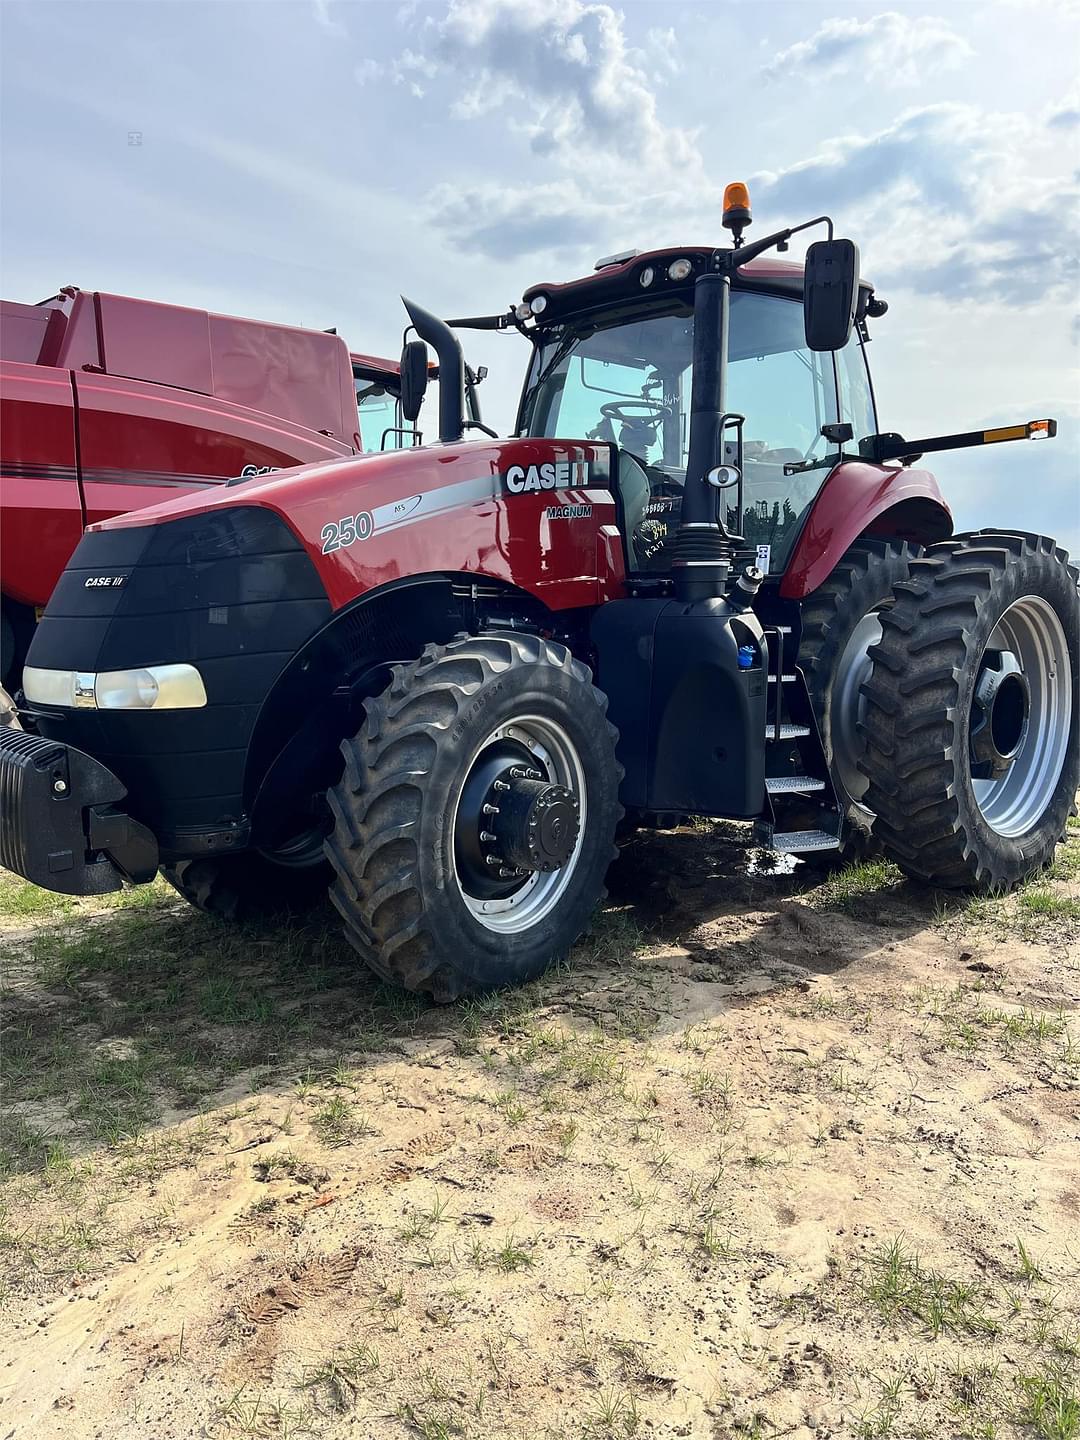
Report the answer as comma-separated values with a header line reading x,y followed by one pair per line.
x,y
538,304
679,270
149,687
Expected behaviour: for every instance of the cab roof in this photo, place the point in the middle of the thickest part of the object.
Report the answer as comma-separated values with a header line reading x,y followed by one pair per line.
x,y
623,279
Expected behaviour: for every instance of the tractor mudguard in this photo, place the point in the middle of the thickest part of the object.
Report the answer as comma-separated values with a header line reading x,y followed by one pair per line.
x,y
863,499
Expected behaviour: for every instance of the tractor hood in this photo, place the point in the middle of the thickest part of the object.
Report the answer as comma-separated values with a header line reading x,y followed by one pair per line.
x,y
238,584
367,520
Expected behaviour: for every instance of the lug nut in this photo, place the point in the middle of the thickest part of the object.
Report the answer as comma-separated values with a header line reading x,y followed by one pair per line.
x,y
491,809
59,788
487,837
492,860
501,784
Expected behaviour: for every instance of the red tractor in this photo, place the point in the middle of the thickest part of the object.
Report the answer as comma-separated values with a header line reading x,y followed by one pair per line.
x,y
112,404
699,580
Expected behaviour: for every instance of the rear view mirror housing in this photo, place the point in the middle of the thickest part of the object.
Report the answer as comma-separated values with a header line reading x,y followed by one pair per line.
x,y
830,293
414,378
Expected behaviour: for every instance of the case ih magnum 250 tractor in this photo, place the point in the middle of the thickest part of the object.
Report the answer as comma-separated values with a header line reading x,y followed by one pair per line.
x,y
111,404
696,581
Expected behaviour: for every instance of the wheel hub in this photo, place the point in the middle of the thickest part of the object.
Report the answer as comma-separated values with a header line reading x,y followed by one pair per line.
x,y
519,823
999,715
536,824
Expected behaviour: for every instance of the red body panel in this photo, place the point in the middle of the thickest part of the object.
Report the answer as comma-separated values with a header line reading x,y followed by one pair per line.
x,y
41,516
443,508
111,404
139,442
855,500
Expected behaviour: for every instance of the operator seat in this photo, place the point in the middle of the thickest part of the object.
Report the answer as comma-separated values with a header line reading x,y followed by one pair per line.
x,y
634,491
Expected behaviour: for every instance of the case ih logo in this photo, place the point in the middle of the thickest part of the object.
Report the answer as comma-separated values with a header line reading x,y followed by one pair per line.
x,y
556,475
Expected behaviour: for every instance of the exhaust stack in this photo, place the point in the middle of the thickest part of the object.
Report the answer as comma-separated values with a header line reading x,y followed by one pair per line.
x,y
441,338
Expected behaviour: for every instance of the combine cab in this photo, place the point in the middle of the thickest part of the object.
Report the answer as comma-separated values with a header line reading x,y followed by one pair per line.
x,y
701,579
112,404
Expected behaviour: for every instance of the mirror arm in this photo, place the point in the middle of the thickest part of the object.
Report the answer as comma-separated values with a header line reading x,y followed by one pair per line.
x,y
733,259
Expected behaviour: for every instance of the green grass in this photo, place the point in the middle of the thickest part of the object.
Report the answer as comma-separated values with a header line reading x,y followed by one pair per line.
x,y
1049,1404
114,1013
1044,904
848,890
902,1289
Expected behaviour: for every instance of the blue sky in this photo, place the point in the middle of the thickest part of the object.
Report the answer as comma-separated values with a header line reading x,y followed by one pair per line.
x,y
309,161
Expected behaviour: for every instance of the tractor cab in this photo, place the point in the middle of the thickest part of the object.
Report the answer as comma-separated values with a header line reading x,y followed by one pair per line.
x,y
613,361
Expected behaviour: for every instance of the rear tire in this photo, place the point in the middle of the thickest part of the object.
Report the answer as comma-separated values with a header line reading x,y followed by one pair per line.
x,y
425,898
840,621
972,783
249,886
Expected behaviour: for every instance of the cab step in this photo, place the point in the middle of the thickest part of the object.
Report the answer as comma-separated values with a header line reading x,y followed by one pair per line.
x,y
792,784
792,842
786,732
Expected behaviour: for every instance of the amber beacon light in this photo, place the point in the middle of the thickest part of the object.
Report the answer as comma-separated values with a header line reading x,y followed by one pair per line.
x,y
736,209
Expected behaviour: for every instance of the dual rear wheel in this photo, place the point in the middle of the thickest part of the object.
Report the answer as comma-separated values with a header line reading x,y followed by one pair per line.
x,y
945,685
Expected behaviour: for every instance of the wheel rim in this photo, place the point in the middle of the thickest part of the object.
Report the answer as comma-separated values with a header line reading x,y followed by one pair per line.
x,y
302,852
1020,721
534,746
848,704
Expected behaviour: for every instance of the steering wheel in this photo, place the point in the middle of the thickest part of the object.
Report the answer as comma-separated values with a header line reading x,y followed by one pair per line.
x,y
615,409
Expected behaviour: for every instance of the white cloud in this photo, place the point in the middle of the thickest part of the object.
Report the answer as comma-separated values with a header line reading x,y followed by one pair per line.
x,y
1064,114
325,20
505,222
902,49
565,73
365,70
947,192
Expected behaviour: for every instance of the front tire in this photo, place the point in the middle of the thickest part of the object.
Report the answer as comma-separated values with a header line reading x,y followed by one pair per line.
x,y
250,886
476,816
973,708
841,620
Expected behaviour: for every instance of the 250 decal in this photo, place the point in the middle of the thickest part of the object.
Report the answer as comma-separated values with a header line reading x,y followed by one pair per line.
x,y
346,531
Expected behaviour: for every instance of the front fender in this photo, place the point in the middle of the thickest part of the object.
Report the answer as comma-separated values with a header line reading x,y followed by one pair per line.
x,y
863,499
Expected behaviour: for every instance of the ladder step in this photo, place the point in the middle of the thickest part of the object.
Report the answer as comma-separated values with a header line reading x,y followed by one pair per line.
x,y
792,784
787,732
787,679
791,842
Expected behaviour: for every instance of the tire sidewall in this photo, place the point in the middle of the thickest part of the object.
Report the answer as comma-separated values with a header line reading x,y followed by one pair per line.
x,y
1053,583
871,590
486,958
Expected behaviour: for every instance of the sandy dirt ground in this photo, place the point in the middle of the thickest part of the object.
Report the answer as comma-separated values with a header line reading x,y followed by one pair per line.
x,y
771,1157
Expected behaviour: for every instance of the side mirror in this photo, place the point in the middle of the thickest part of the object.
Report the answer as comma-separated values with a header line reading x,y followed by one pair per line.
x,y
830,293
414,378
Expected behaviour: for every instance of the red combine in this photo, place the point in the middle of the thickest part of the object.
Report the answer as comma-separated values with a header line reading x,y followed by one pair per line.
x,y
111,404
700,579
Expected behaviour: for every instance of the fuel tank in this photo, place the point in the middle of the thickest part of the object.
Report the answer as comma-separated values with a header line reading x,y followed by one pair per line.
x,y
686,687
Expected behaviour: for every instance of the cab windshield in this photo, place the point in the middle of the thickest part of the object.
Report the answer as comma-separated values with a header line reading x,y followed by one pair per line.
x,y
628,382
